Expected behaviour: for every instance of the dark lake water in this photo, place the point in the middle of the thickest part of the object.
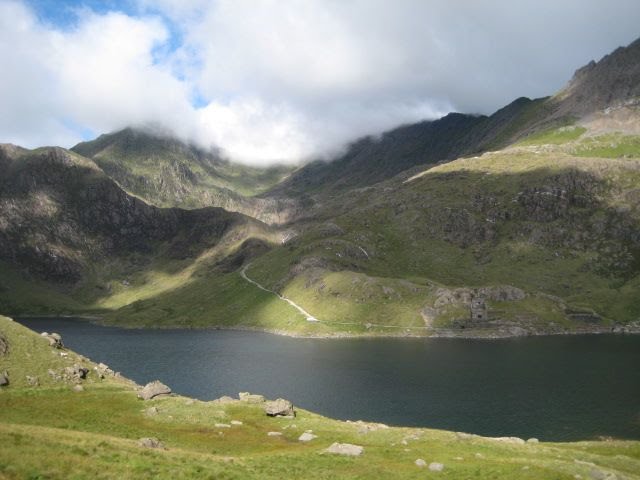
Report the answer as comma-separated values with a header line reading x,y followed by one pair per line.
x,y
552,388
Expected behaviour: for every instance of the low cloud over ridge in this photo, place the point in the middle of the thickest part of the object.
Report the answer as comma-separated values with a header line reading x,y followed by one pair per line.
x,y
286,80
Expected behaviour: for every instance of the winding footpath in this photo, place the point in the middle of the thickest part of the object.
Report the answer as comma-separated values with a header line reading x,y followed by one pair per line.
x,y
307,315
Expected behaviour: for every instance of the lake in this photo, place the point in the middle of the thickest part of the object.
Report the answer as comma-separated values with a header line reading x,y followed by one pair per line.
x,y
552,388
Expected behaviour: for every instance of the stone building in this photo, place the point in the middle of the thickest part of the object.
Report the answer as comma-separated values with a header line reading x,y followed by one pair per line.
x,y
479,310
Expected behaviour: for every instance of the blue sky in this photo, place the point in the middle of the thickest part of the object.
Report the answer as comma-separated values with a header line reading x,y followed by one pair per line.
x,y
284,80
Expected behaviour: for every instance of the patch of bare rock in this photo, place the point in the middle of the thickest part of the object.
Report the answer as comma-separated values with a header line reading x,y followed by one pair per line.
x,y
347,449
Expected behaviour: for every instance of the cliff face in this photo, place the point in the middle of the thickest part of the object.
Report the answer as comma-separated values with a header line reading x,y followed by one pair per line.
x,y
59,213
610,82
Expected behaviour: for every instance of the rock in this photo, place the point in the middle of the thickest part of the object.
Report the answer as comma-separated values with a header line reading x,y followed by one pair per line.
x,y
150,442
33,381
54,375
4,346
436,467
307,436
250,398
345,449
420,463
55,340
225,399
533,440
78,388
4,379
279,408
222,425
236,422
154,389
515,440
76,372
274,434
103,370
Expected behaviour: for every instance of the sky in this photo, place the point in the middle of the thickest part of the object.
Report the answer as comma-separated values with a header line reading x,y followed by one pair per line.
x,y
272,81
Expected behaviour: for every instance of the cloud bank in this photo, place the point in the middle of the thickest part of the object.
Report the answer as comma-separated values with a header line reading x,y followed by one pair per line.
x,y
286,80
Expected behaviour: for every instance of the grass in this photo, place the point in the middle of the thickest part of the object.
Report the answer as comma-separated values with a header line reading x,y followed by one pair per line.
x,y
556,136
53,432
610,146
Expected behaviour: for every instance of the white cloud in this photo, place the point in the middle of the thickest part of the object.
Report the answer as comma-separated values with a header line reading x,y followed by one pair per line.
x,y
290,79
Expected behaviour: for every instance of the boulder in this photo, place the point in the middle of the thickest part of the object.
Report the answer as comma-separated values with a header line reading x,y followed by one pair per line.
x,y
420,463
33,381
55,340
533,440
4,379
274,434
150,442
250,398
78,388
436,467
279,408
307,436
345,449
516,440
153,389
103,370
76,372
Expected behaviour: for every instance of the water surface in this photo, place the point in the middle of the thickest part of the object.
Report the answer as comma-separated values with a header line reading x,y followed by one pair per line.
x,y
552,388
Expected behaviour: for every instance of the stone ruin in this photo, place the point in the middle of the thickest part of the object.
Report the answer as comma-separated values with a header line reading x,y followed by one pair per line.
x,y
479,310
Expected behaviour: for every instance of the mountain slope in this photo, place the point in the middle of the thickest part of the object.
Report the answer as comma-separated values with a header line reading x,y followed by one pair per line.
x,y
167,172
66,226
612,82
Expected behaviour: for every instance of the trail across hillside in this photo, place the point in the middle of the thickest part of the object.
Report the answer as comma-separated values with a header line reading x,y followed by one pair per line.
x,y
308,316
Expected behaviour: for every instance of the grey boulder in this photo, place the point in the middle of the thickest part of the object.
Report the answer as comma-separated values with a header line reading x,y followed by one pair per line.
x,y
279,408
347,449
153,389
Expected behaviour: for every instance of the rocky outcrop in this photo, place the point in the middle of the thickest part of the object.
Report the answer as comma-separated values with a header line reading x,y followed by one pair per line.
x,y
54,339
4,379
464,296
250,397
346,449
76,372
153,390
279,408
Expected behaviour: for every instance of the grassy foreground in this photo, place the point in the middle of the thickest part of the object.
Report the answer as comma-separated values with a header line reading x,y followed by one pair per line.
x,y
53,431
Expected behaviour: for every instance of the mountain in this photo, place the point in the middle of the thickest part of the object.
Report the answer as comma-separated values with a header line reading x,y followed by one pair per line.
x,y
613,82
168,172
527,218
67,225
371,160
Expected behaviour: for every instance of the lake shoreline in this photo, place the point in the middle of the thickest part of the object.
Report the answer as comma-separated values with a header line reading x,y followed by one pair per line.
x,y
468,334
